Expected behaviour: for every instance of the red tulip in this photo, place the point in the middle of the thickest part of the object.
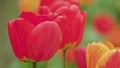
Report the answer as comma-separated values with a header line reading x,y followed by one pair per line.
x,y
34,37
80,56
72,22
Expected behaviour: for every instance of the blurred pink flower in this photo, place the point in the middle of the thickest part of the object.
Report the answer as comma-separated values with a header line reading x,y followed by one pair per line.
x,y
80,56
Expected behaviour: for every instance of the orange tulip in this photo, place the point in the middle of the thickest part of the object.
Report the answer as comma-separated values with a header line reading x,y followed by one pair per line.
x,y
94,52
29,5
86,2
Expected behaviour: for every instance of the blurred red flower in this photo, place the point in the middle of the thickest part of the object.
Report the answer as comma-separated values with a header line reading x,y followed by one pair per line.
x,y
103,23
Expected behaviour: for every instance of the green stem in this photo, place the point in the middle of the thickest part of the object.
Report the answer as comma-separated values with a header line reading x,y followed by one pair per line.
x,y
34,65
46,64
64,58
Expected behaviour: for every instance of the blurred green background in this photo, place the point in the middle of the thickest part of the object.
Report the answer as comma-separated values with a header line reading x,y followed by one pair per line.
x,y
9,10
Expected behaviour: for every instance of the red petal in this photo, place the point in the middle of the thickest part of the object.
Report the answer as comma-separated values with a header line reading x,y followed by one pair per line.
x,y
19,30
33,18
47,2
73,2
44,41
44,10
58,4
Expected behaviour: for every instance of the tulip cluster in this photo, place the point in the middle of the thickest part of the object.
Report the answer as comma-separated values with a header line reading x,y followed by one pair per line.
x,y
45,26
39,32
101,54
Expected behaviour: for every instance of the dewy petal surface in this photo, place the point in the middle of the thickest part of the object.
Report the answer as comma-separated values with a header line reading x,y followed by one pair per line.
x,y
43,41
94,52
111,59
19,30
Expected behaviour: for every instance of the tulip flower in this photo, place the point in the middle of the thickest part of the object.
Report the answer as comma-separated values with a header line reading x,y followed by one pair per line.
x,y
80,56
72,28
95,51
103,54
111,59
29,5
103,23
72,22
32,39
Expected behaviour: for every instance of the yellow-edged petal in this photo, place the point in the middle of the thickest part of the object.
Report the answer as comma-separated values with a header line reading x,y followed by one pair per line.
x,y
108,44
29,5
94,52
110,59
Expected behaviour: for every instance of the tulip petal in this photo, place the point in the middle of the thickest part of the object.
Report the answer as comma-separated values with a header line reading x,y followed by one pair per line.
x,y
44,10
57,4
108,44
74,2
30,17
111,59
35,18
94,52
80,56
44,41
47,2
19,30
